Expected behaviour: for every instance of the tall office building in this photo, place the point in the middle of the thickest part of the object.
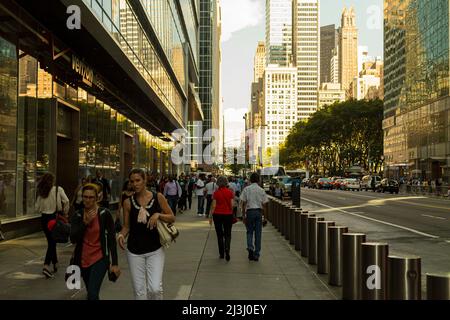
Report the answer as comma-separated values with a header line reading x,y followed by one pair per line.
x,y
216,109
348,48
209,89
417,102
328,42
259,62
278,32
104,97
280,104
306,54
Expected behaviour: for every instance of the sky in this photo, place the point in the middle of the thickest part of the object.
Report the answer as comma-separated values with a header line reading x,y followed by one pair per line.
x,y
243,25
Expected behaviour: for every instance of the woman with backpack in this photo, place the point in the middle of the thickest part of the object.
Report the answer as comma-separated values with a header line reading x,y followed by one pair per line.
x,y
144,251
92,232
50,200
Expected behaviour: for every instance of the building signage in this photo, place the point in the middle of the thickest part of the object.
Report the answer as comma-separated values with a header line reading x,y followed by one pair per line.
x,y
83,70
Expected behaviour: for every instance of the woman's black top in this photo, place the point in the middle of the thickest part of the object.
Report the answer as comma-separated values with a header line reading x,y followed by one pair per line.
x,y
141,239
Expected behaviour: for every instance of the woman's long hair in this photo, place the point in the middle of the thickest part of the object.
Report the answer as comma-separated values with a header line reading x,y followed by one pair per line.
x,y
45,185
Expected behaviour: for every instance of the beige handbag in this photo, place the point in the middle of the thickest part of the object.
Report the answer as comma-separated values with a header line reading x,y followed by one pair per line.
x,y
167,233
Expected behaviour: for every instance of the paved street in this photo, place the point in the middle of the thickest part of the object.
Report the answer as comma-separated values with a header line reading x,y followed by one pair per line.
x,y
410,224
193,270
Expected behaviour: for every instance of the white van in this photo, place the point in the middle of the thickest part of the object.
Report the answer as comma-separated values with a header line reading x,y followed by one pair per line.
x,y
368,181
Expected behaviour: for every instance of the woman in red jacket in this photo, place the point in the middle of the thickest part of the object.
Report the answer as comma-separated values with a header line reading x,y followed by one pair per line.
x,y
222,214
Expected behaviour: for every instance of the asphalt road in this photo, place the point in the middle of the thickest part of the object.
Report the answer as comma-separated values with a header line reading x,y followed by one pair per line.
x,y
413,225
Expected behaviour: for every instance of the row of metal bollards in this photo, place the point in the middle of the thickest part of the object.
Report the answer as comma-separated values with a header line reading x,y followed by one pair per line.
x,y
365,270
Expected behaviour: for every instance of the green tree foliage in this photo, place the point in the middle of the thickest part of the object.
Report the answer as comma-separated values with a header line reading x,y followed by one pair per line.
x,y
337,137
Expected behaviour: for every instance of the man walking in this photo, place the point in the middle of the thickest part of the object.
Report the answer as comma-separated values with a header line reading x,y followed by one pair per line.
x,y
254,202
210,188
200,192
104,186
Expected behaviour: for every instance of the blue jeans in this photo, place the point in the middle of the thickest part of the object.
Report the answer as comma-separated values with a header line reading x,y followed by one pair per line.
x,y
93,278
209,201
254,226
201,202
173,201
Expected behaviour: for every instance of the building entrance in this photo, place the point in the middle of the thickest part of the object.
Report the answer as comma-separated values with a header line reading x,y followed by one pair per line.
x,y
67,146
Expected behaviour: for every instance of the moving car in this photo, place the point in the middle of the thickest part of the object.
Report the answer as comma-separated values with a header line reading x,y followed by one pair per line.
x,y
389,185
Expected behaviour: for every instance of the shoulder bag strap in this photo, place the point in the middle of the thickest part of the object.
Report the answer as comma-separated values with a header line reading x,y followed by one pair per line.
x,y
56,199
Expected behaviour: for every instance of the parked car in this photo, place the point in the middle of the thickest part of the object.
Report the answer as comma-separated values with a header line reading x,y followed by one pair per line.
x,y
370,182
338,184
389,185
313,181
324,183
352,184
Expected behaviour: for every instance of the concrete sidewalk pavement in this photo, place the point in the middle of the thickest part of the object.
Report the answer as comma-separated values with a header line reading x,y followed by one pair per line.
x,y
193,270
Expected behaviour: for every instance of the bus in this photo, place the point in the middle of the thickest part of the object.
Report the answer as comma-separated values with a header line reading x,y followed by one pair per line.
x,y
298,173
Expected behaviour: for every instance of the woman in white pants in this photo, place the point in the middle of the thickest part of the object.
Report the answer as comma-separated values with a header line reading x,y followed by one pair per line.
x,y
144,251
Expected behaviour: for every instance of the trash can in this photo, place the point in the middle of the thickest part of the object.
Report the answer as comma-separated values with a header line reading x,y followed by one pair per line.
x,y
351,277
374,284
438,286
323,261
335,247
404,278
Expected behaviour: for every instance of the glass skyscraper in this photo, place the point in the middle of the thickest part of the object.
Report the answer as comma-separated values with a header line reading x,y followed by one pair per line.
x,y
417,104
104,97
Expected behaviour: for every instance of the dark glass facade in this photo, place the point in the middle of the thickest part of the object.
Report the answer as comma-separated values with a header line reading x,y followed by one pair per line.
x,y
61,113
206,62
417,116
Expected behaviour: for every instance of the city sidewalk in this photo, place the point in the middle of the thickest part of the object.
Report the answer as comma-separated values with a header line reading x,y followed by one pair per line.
x,y
193,270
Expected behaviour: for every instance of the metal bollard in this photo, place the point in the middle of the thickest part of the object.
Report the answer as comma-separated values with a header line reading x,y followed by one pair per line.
x,y
298,239
270,212
282,212
304,232
292,225
312,239
374,285
323,262
278,217
276,213
351,277
438,286
285,220
404,278
335,247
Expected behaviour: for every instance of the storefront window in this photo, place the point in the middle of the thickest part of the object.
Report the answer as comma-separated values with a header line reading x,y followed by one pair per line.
x,y
27,139
8,127
45,105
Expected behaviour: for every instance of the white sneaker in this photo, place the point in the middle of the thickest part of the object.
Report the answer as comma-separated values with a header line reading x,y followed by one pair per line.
x,y
199,214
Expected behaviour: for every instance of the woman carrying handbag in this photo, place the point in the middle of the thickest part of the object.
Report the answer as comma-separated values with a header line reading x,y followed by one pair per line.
x,y
144,251
50,200
92,230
